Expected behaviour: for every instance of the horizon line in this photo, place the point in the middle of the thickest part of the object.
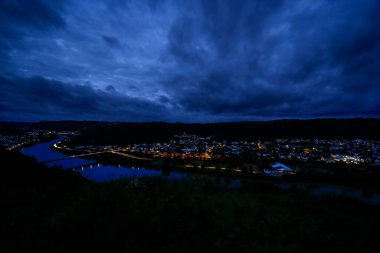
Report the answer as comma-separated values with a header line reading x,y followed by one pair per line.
x,y
179,122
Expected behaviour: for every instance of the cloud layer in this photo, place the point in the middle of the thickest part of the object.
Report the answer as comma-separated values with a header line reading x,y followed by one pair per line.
x,y
189,60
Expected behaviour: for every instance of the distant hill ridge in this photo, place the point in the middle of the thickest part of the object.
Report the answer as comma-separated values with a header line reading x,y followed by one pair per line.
x,y
122,133
100,132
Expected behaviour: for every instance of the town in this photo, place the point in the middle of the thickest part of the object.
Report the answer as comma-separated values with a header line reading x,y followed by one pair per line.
x,y
189,146
28,138
271,157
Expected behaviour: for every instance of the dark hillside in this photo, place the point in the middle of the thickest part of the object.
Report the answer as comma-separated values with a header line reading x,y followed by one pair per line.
x,y
49,209
124,133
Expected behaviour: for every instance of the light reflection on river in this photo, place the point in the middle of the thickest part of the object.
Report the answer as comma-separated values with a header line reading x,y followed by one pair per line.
x,y
88,167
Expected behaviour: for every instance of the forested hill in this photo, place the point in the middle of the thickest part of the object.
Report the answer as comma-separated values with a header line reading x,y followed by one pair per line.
x,y
98,132
122,133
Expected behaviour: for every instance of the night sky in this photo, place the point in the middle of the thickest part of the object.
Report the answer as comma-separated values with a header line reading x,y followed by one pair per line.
x,y
189,61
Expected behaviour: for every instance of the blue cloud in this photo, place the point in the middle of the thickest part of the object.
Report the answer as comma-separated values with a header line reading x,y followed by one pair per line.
x,y
221,61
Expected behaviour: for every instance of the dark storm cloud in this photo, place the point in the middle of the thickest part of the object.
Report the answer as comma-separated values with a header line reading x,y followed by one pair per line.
x,y
279,58
22,17
19,18
26,98
111,41
30,13
199,60
219,26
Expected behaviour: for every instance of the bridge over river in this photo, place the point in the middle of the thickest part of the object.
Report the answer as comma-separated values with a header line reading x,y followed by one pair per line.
x,y
97,153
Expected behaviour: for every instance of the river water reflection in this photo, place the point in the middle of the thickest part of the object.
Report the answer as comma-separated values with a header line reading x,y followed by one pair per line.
x,y
89,168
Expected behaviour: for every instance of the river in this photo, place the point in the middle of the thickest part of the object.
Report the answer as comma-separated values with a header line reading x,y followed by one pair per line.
x,y
89,168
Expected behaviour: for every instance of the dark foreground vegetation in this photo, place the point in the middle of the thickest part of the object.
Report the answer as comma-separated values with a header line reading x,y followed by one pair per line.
x,y
56,210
